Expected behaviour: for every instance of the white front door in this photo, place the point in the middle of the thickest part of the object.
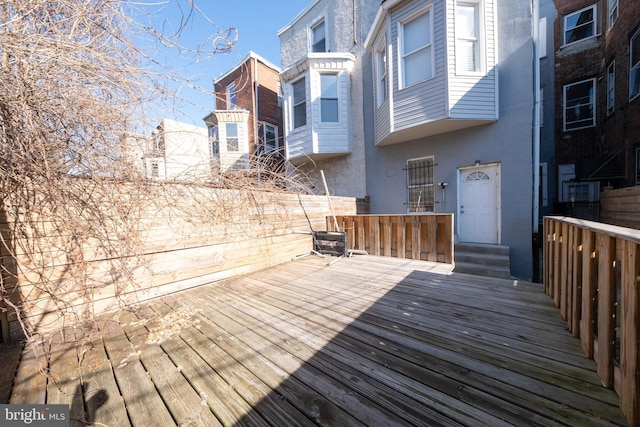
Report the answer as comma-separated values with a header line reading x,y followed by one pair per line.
x,y
479,204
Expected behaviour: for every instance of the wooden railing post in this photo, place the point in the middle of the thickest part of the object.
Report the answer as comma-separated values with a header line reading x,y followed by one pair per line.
x,y
589,285
606,300
630,335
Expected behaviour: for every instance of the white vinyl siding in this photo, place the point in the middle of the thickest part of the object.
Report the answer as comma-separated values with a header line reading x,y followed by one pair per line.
x,y
474,96
327,130
410,105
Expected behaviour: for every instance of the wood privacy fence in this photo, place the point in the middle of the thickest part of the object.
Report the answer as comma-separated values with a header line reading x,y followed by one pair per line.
x,y
145,243
621,207
592,271
427,237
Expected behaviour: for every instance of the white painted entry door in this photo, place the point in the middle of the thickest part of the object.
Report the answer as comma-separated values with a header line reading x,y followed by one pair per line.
x,y
479,204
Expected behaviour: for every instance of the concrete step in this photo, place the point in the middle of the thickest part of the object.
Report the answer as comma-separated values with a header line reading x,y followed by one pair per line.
x,y
482,260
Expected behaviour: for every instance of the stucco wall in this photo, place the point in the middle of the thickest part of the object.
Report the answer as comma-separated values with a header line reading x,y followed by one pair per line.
x,y
507,142
345,175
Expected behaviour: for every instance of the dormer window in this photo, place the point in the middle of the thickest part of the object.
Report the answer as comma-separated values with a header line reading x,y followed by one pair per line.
x,y
580,25
318,37
416,49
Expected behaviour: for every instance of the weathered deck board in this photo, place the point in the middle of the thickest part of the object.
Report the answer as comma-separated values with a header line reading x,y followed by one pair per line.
x,y
367,341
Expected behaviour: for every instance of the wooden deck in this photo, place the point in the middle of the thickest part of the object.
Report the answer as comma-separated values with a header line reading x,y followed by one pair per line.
x,y
367,341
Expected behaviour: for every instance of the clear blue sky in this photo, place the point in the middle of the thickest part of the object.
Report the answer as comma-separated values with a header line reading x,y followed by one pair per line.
x,y
257,21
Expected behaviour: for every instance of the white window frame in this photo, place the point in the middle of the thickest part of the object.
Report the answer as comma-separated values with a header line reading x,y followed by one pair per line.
x,y
299,103
634,69
476,38
382,73
611,87
214,141
232,142
322,98
592,102
267,148
232,95
594,23
428,187
402,55
312,41
613,12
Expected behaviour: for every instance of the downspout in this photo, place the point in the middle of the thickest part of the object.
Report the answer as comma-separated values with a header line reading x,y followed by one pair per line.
x,y
536,240
536,115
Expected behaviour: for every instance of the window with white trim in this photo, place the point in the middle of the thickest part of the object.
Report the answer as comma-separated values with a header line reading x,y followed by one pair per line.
x,y
579,105
381,74
299,103
420,188
416,49
611,83
328,98
318,37
580,25
613,12
270,138
634,66
231,96
468,37
232,136
213,140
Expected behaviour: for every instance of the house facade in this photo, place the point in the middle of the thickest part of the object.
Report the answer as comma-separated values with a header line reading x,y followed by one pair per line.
x,y
245,127
445,110
321,56
177,151
597,75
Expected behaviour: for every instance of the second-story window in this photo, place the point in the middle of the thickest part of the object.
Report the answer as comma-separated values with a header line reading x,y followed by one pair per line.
x,y
613,12
328,98
299,104
231,96
634,66
579,105
318,37
468,37
232,137
580,25
611,84
416,49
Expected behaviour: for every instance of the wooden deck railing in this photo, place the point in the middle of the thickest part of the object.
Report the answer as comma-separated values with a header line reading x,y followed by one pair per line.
x,y
592,271
427,237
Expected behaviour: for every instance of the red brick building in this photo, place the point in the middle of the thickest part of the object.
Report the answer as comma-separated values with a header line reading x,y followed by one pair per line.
x,y
597,105
245,128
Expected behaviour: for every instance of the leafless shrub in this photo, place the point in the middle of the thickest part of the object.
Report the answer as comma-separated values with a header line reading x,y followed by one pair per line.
x,y
74,90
